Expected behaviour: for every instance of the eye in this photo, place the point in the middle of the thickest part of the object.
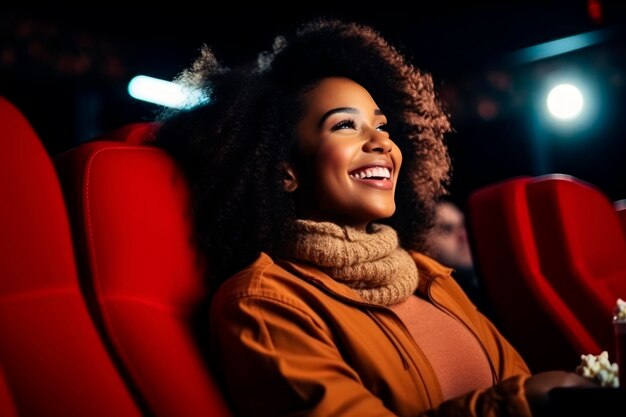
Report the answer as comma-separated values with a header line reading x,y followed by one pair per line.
x,y
383,127
344,124
445,229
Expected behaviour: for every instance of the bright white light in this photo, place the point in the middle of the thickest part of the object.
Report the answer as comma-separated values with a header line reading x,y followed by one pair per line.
x,y
165,93
565,101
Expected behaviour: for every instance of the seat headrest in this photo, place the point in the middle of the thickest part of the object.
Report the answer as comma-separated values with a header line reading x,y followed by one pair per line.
x,y
140,133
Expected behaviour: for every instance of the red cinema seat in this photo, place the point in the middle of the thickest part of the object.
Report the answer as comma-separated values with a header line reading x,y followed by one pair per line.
x,y
582,249
620,208
52,359
139,133
530,311
130,207
7,407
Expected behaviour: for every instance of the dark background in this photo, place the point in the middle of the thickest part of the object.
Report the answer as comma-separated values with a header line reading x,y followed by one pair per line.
x,y
67,68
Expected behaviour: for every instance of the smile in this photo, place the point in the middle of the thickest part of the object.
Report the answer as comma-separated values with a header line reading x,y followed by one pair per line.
x,y
372,172
375,176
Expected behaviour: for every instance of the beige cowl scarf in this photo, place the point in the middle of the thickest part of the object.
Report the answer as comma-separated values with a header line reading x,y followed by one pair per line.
x,y
373,264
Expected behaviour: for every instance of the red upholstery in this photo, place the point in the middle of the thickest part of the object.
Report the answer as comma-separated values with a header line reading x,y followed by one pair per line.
x,y
620,208
7,407
583,249
532,315
139,133
52,359
130,203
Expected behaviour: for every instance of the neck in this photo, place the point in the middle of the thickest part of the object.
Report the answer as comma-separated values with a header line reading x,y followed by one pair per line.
x,y
361,226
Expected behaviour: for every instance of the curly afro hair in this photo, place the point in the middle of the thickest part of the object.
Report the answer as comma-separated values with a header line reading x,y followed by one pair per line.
x,y
232,149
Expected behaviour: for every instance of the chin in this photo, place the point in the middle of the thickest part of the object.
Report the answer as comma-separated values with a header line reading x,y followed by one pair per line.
x,y
383,215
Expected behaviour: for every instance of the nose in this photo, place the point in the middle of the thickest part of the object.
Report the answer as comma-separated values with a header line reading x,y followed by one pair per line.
x,y
378,142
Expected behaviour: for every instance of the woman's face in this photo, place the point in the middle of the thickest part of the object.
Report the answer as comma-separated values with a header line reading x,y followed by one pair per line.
x,y
350,165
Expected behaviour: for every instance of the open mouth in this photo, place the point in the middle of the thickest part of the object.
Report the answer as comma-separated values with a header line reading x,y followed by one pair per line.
x,y
377,176
373,173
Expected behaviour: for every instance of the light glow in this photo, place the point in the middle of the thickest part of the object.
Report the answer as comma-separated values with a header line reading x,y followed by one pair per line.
x,y
565,101
162,92
561,46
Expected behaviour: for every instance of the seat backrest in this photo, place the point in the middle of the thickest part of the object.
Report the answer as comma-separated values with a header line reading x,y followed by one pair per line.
x,y
620,209
7,406
130,207
528,308
139,133
582,248
52,359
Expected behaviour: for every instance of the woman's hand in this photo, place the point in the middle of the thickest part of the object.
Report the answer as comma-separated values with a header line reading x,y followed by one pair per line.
x,y
539,385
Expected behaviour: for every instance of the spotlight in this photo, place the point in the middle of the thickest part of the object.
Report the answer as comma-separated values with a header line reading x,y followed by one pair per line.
x,y
565,101
162,92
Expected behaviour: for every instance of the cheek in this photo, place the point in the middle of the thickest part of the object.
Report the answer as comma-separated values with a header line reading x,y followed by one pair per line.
x,y
397,156
333,162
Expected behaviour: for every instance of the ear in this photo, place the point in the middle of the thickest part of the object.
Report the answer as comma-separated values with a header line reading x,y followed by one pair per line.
x,y
290,178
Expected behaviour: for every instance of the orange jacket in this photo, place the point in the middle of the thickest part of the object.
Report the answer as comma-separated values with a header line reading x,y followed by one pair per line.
x,y
289,340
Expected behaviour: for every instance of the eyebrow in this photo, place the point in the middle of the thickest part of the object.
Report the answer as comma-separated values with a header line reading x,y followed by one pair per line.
x,y
350,110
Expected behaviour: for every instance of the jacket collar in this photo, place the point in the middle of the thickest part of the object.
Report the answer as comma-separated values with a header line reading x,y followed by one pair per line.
x,y
428,270
316,276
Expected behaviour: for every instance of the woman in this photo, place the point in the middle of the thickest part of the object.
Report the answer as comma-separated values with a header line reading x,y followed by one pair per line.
x,y
314,177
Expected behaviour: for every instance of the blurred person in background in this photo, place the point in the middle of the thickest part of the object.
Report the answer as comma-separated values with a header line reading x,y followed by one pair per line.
x,y
448,244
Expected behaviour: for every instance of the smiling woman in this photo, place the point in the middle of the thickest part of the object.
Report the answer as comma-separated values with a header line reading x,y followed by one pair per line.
x,y
353,163
313,227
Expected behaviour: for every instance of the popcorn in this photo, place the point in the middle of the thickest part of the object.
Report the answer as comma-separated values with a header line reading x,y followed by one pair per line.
x,y
620,310
598,368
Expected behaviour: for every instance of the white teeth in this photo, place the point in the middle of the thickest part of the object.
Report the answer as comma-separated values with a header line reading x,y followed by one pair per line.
x,y
379,172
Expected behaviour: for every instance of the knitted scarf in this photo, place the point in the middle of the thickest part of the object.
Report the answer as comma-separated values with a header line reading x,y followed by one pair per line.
x,y
372,263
